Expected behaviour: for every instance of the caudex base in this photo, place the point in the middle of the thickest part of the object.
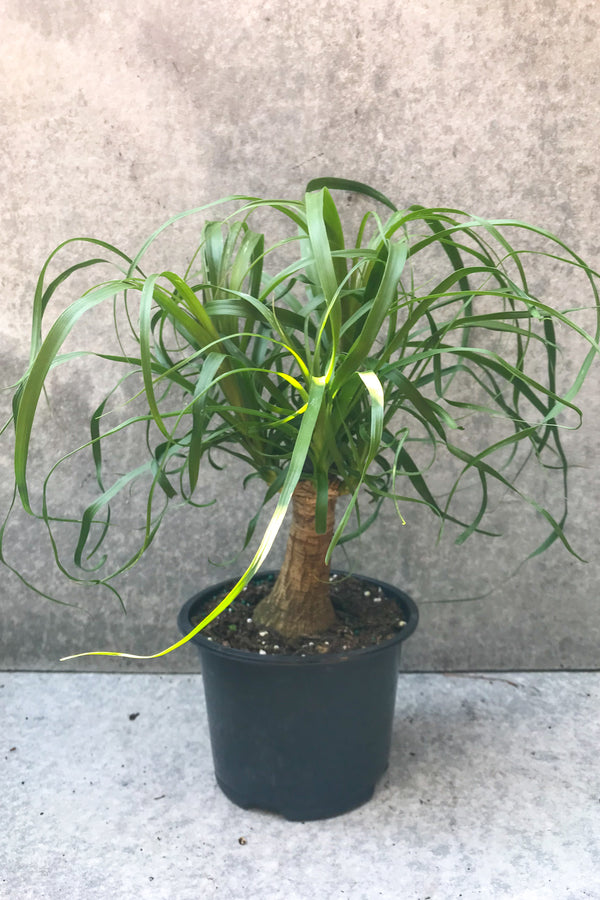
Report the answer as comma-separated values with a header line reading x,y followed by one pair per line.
x,y
299,602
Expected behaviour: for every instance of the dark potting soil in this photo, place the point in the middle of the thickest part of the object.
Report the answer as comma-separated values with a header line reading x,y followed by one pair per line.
x,y
365,616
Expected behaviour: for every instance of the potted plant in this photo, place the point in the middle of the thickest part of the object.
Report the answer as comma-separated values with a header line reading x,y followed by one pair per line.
x,y
332,367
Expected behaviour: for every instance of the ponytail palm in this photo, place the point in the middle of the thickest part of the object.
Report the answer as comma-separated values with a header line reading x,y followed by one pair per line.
x,y
328,360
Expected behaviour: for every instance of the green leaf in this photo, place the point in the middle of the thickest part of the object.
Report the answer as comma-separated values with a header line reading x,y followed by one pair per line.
x,y
345,184
386,295
375,391
38,371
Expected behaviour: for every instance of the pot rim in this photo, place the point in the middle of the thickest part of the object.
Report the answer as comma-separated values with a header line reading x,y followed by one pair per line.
x,y
406,603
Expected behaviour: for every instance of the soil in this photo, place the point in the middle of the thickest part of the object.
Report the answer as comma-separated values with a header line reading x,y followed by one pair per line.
x,y
366,616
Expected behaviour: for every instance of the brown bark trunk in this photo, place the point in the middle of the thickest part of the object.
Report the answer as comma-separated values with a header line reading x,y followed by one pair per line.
x,y
299,600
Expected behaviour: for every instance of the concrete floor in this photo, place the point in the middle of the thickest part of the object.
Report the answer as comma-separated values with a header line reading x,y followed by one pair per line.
x,y
107,791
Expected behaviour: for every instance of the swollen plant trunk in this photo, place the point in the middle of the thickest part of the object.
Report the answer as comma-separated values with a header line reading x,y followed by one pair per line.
x,y
299,602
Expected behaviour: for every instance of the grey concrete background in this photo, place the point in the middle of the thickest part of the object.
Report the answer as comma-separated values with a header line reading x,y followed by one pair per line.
x,y
114,119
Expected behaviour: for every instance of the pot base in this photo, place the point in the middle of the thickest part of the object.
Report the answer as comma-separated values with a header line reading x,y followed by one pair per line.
x,y
295,812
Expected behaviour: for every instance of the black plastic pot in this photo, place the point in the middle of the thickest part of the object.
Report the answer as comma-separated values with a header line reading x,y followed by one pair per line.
x,y
306,737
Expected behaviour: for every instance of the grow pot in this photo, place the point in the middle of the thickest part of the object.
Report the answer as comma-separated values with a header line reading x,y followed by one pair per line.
x,y
304,736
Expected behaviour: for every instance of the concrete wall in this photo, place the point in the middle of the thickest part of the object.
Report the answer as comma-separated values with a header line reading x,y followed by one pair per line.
x,y
115,116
